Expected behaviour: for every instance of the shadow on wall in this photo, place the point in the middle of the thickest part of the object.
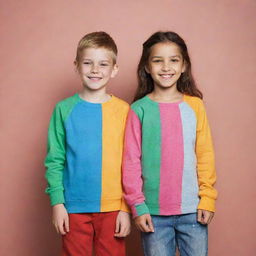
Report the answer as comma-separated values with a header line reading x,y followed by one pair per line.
x,y
133,243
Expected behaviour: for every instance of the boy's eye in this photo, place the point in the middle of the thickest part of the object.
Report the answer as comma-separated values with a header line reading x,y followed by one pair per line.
x,y
104,64
86,62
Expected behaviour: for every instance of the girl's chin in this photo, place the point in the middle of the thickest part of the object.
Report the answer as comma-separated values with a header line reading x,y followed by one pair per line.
x,y
166,86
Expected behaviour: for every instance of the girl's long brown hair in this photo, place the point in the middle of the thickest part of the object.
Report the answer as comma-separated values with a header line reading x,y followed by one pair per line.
x,y
186,83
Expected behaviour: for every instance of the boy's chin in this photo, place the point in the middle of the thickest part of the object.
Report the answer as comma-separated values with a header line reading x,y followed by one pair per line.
x,y
94,88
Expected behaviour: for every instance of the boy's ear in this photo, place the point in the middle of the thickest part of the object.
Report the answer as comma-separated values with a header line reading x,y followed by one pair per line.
x,y
114,71
75,65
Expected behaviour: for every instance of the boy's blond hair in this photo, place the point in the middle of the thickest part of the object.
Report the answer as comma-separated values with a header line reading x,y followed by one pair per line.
x,y
97,40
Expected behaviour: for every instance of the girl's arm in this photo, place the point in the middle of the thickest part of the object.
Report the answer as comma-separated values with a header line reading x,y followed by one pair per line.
x,y
132,174
205,162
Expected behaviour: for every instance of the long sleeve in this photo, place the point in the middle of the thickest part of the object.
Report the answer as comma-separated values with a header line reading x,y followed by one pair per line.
x,y
205,162
55,159
132,173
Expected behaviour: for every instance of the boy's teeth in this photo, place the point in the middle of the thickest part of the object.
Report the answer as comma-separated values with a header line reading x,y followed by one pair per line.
x,y
95,78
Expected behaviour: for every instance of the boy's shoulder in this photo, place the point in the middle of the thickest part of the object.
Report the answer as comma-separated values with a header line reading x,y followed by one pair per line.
x,y
64,107
68,102
121,103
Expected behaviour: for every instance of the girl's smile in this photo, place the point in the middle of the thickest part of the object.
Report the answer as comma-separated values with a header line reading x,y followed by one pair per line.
x,y
165,64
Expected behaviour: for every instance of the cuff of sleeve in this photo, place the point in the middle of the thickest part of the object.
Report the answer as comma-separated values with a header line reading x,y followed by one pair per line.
x,y
207,204
124,206
57,197
139,209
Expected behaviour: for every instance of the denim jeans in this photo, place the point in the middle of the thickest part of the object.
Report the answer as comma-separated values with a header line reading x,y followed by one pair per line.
x,y
182,231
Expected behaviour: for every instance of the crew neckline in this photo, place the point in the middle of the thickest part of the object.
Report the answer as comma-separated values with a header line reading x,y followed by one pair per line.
x,y
166,103
95,103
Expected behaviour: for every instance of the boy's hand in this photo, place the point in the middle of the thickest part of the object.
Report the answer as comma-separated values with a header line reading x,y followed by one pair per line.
x,y
123,224
204,217
144,223
60,219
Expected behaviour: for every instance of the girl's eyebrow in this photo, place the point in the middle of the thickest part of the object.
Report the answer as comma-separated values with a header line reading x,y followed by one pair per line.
x,y
172,56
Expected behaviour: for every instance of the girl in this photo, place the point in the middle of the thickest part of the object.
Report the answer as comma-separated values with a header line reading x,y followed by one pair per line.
x,y
168,167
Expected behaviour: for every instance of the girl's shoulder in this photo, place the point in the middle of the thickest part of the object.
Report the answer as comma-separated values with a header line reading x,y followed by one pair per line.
x,y
196,104
139,103
193,101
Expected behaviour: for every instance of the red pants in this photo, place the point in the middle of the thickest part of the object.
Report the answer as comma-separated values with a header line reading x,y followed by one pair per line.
x,y
88,230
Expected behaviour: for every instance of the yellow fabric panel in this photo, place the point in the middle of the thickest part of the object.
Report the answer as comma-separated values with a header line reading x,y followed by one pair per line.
x,y
114,115
205,156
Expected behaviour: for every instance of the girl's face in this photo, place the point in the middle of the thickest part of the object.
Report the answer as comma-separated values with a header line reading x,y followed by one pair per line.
x,y
165,64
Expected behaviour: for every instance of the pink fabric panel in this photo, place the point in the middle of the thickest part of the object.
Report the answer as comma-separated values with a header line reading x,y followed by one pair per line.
x,y
172,158
132,180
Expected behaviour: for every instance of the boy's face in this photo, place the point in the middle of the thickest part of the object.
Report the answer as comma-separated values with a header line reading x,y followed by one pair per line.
x,y
96,67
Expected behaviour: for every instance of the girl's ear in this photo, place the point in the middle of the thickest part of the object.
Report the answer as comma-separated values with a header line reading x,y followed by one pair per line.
x,y
146,69
184,67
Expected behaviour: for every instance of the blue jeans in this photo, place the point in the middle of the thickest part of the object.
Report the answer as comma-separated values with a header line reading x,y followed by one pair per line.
x,y
182,231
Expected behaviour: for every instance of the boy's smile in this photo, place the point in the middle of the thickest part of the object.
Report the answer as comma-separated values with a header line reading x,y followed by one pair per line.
x,y
96,67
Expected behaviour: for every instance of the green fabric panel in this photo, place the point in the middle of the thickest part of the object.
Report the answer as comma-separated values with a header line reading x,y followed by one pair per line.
x,y
56,153
151,149
141,209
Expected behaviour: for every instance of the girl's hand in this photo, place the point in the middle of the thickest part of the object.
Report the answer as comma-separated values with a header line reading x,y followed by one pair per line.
x,y
123,224
204,217
144,223
60,219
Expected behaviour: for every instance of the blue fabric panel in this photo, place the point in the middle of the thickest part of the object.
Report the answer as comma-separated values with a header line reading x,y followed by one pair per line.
x,y
82,174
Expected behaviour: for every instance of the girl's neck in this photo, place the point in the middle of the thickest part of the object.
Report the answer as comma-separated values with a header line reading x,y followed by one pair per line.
x,y
166,95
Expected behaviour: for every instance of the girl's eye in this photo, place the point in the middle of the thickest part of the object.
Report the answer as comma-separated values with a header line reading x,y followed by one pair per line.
x,y
156,61
174,60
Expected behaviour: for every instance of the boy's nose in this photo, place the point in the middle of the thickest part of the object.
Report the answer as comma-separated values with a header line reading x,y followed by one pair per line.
x,y
95,69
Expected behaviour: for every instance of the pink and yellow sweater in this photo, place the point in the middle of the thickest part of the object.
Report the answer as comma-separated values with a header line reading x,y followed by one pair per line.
x,y
168,164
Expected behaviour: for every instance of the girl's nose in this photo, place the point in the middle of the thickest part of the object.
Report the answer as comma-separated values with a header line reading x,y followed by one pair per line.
x,y
166,67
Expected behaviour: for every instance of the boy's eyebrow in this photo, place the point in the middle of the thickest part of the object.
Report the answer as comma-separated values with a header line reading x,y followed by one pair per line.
x,y
100,60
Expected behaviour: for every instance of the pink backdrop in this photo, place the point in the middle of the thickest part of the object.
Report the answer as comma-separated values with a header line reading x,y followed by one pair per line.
x,y
38,42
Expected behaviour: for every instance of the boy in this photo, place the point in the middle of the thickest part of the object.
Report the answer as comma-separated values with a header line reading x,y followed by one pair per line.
x,y
84,157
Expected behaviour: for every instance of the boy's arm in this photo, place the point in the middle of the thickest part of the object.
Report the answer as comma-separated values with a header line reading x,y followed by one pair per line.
x,y
205,162
132,180
55,159
124,206
60,219
123,224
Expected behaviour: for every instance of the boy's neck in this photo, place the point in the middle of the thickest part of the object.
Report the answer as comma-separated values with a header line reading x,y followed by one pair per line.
x,y
96,96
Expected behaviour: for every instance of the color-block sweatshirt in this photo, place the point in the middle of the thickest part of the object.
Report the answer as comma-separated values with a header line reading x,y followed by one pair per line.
x,y
85,148
168,165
